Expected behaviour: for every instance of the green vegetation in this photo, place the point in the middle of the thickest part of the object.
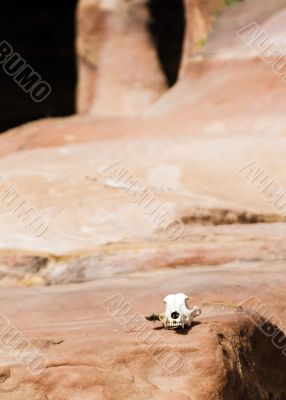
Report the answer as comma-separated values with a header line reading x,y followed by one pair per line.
x,y
230,2
225,3
201,42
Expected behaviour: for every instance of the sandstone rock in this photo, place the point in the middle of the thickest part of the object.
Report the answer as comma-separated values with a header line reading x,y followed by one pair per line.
x,y
119,72
188,150
94,349
180,177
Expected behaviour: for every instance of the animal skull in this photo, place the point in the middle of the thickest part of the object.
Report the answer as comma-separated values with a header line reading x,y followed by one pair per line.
x,y
177,313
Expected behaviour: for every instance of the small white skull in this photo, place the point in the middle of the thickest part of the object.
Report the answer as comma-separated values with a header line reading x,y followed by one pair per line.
x,y
177,313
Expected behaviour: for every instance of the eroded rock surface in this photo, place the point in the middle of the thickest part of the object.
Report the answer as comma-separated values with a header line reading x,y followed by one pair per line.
x,y
190,150
98,345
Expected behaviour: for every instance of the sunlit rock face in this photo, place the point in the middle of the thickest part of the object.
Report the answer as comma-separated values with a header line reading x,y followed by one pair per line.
x,y
119,72
130,51
97,345
210,154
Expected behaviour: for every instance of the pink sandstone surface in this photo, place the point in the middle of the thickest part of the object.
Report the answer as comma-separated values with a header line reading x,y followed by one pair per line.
x,y
186,145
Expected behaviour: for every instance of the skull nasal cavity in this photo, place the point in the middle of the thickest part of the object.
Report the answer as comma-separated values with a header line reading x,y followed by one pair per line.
x,y
175,315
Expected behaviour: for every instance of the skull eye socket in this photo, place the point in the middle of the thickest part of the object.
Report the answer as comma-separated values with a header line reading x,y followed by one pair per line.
x,y
175,315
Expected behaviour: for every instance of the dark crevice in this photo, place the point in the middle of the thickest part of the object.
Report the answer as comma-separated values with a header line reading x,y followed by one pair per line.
x,y
167,28
43,33
216,216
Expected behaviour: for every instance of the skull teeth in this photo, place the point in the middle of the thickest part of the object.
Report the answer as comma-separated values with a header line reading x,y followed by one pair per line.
x,y
174,324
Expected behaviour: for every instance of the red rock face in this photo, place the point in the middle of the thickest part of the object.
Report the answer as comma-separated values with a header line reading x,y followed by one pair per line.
x,y
96,343
210,153
119,70
119,73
